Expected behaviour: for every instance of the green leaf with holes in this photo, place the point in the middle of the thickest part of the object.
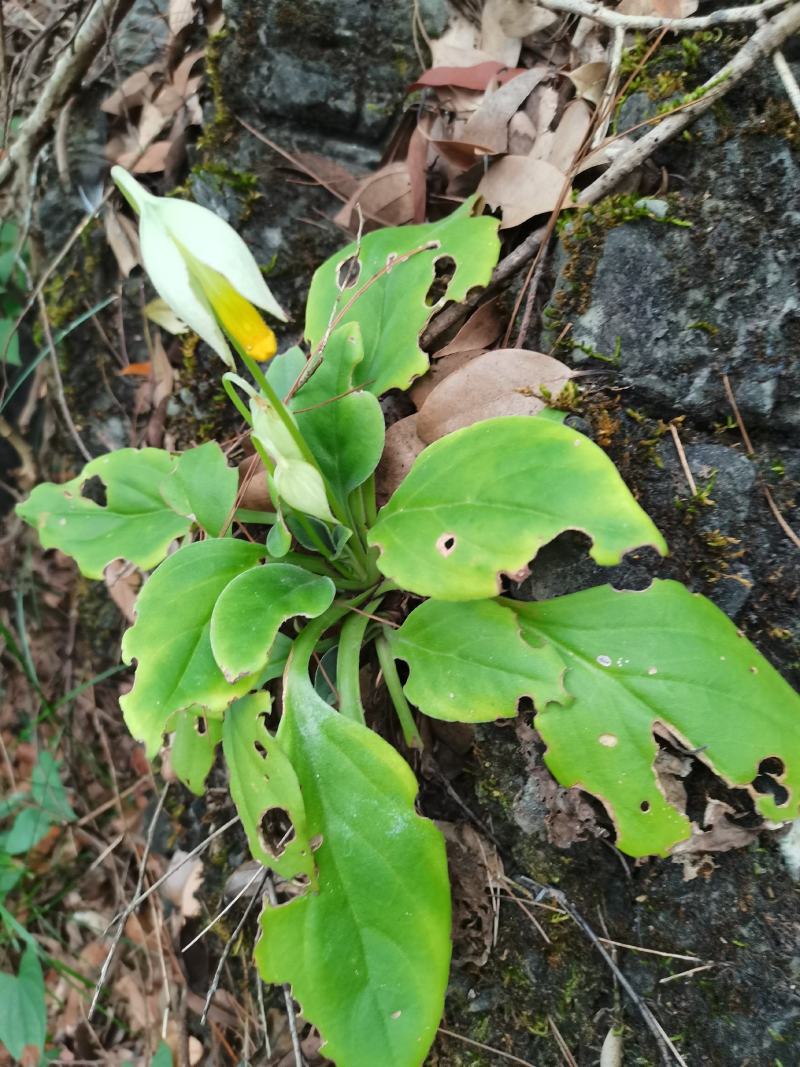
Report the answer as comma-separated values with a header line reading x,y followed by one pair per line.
x,y
482,501
203,487
171,638
394,307
470,663
247,615
134,524
662,657
344,429
266,791
366,955
194,744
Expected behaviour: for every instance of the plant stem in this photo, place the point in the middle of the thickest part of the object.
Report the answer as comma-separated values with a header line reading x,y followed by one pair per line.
x,y
395,687
348,669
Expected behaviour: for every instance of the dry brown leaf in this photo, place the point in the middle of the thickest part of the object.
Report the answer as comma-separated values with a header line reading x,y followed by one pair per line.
x,y
122,239
604,154
133,91
589,80
385,196
522,187
475,78
720,832
523,18
494,40
507,381
182,882
521,134
487,128
458,45
422,388
543,105
123,583
253,488
611,1052
570,135
478,332
328,173
475,870
400,450
179,15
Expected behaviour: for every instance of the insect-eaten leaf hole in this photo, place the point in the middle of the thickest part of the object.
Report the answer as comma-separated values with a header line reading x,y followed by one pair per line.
x,y
645,806
446,544
200,725
94,489
349,272
277,831
260,749
766,781
443,271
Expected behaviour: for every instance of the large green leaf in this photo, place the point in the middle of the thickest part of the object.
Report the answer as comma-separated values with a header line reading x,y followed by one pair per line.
x,y
470,663
394,310
203,487
345,434
367,955
23,1019
482,501
246,617
665,657
193,747
265,790
171,637
135,524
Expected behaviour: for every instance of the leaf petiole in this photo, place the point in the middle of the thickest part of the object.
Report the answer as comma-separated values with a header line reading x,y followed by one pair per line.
x,y
395,688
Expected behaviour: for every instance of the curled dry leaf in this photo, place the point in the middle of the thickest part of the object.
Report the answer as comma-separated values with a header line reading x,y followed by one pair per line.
x,y
253,488
477,333
720,832
524,18
180,14
159,312
385,197
611,1052
475,869
422,388
589,80
507,381
401,448
487,128
523,187
122,238
494,39
183,880
570,135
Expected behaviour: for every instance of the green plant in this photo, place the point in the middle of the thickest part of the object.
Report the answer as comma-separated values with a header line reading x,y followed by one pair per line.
x,y
364,934
23,1016
12,291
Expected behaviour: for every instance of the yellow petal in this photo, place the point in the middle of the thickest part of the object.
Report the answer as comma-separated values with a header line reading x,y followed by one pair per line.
x,y
237,316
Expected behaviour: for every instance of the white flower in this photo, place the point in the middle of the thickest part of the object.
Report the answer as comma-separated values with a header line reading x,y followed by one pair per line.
x,y
203,269
296,481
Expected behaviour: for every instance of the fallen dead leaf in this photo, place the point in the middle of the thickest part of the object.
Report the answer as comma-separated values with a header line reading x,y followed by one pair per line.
x,y
506,381
253,488
494,39
589,80
440,369
478,332
570,135
475,870
487,128
522,188
180,14
123,583
475,78
720,832
122,238
523,18
159,312
400,450
385,197
675,9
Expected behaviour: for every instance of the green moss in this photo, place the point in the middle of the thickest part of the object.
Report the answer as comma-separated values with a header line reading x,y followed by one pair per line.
x,y
218,129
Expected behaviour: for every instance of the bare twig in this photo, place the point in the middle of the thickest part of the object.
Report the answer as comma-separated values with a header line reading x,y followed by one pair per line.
x,y
101,19
788,79
764,41
229,945
151,830
685,974
258,873
687,470
666,1047
608,17
605,108
486,1048
563,1047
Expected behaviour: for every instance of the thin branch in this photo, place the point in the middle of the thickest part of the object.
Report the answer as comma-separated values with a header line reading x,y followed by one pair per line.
x,y
788,79
608,17
765,40
102,18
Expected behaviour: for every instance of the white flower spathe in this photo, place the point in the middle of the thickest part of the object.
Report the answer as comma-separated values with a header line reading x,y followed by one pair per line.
x,y
198,264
